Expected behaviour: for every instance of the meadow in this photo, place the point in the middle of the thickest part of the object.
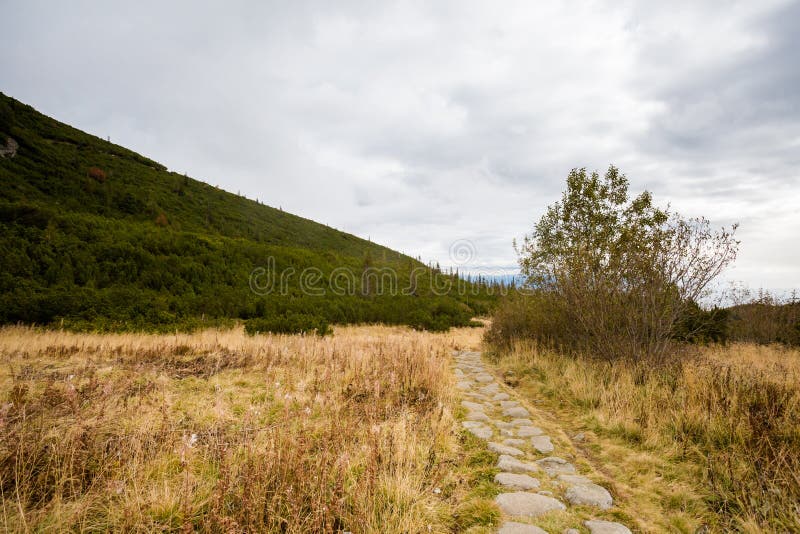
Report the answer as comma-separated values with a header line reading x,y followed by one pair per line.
x,y
223,431
220,430
709,441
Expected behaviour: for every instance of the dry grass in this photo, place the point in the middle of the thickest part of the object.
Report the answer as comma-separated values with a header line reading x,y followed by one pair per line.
x,y
713,440
225,432
778,363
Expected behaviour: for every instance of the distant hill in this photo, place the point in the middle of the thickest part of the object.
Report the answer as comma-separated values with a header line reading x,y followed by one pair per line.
x,y
94,235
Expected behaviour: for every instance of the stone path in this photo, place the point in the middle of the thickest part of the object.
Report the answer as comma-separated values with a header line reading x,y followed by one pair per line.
x,y
526,456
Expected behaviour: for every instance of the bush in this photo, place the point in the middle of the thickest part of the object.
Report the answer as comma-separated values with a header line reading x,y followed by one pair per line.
x,y
535,316
292,323
97,174
765,318
697,325
424,320
617,274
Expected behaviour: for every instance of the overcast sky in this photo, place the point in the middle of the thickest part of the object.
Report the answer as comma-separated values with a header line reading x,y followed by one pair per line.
x,y
419,124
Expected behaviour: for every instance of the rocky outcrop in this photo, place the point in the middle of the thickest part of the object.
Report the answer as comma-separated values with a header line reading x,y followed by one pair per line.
x,y
9,150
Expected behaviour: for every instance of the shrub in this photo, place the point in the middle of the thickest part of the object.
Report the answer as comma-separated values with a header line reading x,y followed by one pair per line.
x,y
765,318
97,173
291,323
697,325
619,273
535,316
419,319
161,220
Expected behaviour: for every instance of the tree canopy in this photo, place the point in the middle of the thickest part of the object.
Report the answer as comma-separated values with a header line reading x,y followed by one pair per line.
x,y
620,270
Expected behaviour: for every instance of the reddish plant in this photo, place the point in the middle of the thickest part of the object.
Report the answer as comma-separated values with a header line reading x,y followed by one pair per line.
x,y
97,173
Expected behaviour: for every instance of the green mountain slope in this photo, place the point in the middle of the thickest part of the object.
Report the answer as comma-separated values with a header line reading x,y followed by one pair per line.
x,y
97,236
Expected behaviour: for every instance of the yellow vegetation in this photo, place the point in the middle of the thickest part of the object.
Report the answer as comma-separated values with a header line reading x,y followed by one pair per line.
x,y
218,430
713,439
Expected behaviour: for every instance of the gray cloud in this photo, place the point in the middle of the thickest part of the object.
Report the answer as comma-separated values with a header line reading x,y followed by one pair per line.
x,y
418,124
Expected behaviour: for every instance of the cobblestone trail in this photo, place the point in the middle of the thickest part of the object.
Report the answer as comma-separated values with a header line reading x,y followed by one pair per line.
x,y
527,457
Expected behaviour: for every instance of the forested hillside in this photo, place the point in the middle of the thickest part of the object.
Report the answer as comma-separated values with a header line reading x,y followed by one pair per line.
x,y
93,235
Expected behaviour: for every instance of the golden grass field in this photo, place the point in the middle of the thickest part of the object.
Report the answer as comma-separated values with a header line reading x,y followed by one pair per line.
x,y
711,442
221,431
357,431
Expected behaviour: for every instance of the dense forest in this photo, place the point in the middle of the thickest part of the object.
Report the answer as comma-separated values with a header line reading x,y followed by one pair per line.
x,y
95,236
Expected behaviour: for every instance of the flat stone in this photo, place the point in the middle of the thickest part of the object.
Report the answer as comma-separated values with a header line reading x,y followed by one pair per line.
x,y
571,480
517,411
516,481
520,503
458,372
484,377
481,432
512,465
606,527
512,527
589,495
477,416
491,389
502,424
542,444
572,531
522,422
506,433
514,442
473,406
501,397
553,466
528,431
508,404
464,385
472,424
499,448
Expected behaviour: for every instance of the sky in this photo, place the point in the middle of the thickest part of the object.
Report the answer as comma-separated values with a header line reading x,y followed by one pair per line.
x,y
440,129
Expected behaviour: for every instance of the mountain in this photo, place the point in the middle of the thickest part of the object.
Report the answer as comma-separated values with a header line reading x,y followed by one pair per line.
x,y
95,236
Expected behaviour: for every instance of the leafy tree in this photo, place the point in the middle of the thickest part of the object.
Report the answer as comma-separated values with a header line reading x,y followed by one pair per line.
x,y
619,272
